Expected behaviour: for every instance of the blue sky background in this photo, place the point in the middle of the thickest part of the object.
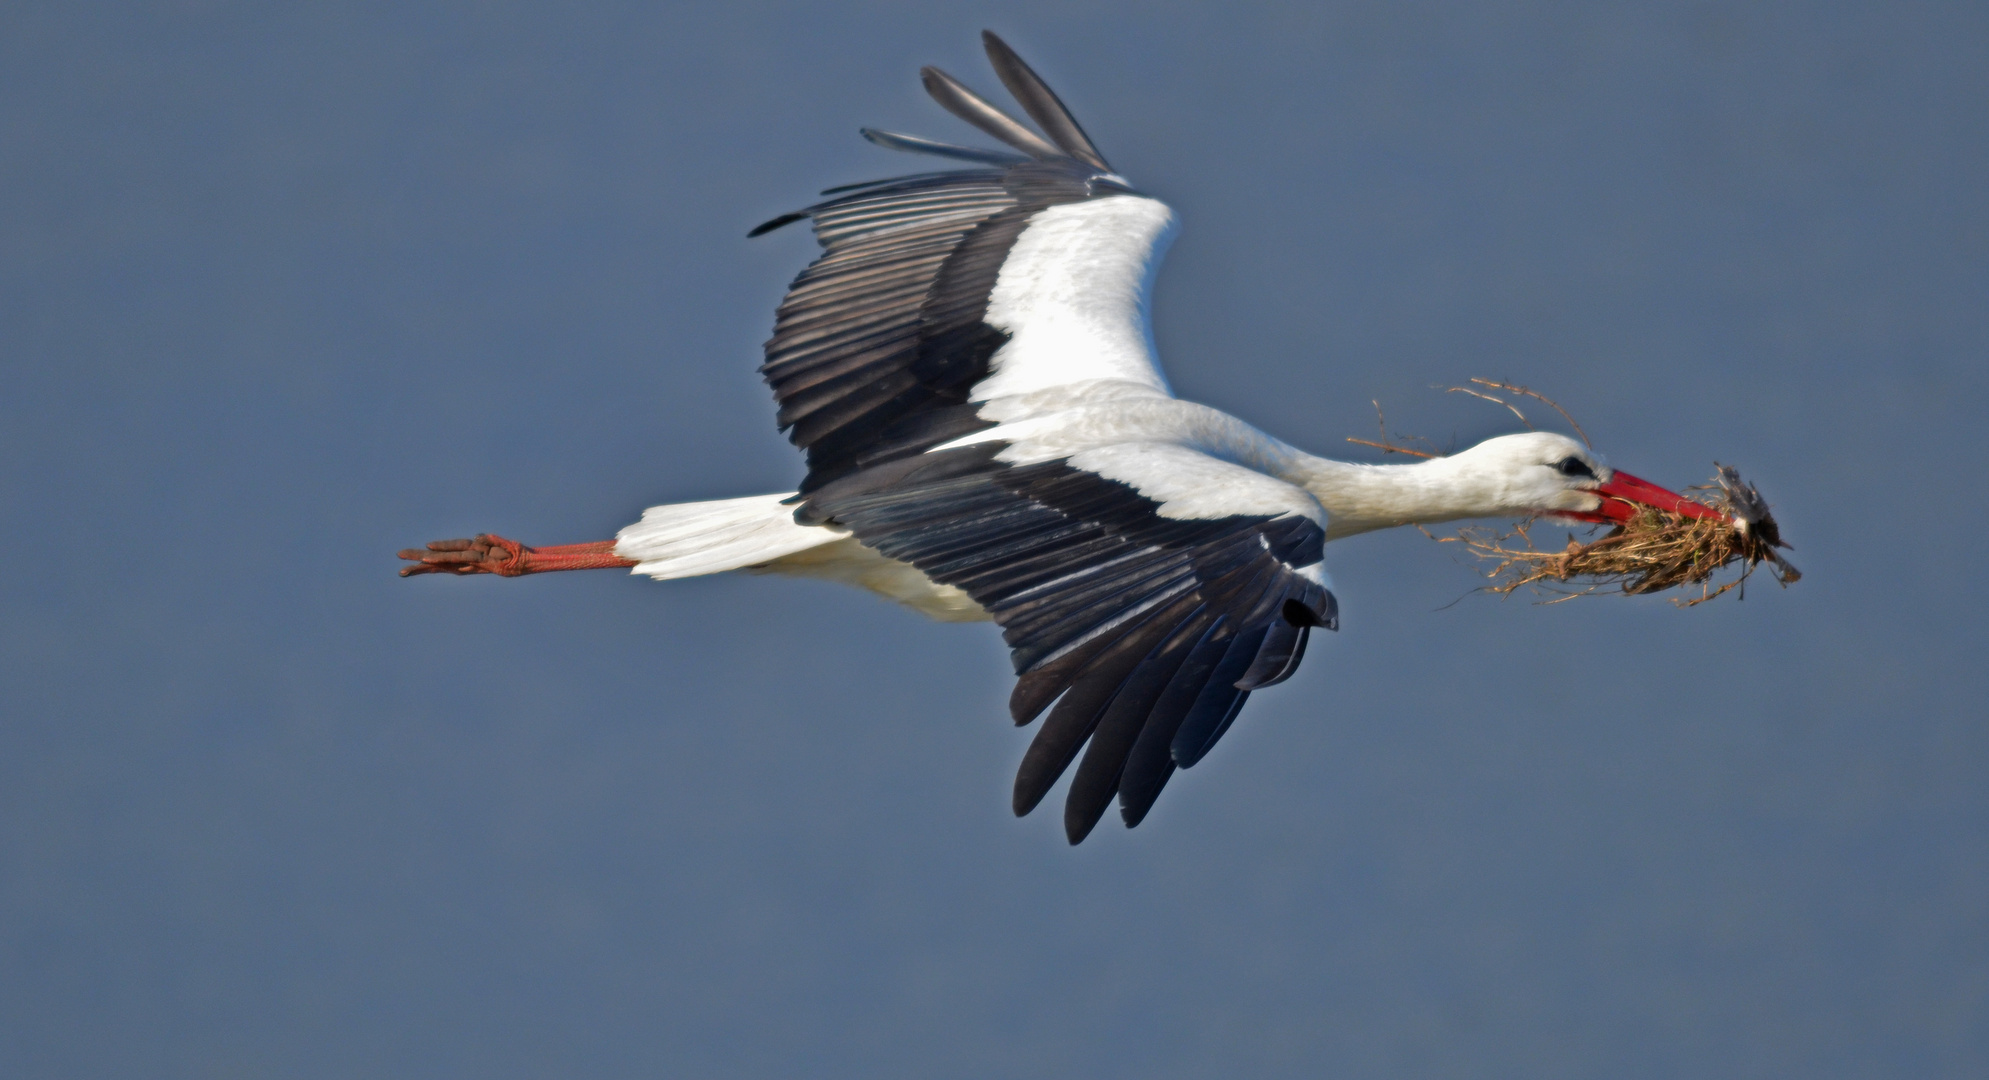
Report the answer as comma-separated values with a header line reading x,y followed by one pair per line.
x,y
285,288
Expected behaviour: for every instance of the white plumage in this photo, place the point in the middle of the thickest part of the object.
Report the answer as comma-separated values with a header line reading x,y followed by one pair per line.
x,y
1072,294
693,539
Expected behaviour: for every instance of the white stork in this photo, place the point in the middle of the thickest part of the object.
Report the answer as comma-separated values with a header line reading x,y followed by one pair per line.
x,y
970,368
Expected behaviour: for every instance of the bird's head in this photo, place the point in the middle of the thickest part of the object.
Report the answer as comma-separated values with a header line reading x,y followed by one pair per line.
x,y
1541,473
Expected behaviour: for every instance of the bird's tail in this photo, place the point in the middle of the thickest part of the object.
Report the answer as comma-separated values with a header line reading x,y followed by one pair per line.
x,y
690,539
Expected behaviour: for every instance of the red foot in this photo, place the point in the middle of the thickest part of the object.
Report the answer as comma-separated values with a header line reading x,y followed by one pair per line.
x,y
487,554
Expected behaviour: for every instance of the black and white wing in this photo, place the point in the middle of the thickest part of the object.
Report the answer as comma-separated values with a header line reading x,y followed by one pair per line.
x,y
1148,630
942,288
970,368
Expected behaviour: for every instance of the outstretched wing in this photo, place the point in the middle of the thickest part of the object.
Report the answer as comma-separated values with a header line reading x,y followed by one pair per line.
x,y
939,290
1143,585
1145,588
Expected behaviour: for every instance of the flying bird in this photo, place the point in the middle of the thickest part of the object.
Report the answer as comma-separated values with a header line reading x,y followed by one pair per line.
x,y
969,367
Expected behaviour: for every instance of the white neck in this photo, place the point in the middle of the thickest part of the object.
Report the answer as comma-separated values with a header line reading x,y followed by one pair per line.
x,y
1505,476
1362,498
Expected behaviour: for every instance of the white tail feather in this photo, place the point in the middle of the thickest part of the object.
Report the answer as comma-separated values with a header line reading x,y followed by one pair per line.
x,y
758,533
691,539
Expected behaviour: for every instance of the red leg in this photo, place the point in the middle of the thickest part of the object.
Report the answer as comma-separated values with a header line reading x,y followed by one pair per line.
x,y
487,554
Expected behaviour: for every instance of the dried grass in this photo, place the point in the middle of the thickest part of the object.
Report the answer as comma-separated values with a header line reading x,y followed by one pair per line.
x,y
1651,552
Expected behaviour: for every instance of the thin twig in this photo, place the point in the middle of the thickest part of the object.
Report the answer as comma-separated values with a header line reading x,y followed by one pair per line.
x,y
1385,446
1493,400
1538,396
1391,448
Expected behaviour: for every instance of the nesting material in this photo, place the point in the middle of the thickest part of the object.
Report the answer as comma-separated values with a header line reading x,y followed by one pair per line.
x,y
1651,552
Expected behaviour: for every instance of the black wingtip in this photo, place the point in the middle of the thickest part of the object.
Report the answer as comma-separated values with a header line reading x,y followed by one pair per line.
x,y
1079,821
1085,804
912,144
768,226
1075,831
1041,102
1134,806
953,96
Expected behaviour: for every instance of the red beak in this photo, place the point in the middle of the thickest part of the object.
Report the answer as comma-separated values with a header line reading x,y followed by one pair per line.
x,y
1624,495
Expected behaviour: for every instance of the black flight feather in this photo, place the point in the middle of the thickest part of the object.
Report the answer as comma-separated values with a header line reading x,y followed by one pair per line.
x,y
1041,103
765,227
1151,762
1097,778
1219,701
1076,714
974,109
1273,664
912,144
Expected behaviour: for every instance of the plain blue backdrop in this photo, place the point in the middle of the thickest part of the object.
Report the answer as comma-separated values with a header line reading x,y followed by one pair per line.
x,y
286,287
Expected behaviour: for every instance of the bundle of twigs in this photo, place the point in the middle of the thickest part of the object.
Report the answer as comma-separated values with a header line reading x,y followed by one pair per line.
x,y
1651,552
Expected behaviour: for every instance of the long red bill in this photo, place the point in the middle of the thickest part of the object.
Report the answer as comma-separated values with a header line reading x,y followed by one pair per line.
x,y
1624,495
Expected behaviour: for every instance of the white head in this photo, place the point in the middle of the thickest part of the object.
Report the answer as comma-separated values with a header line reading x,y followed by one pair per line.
x,y
1544,474
1536,472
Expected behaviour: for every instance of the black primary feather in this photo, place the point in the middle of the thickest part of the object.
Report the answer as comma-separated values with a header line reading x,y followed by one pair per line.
x,y
1041,103
1151,762
878,344
1119,727
765,227
912,144
955,98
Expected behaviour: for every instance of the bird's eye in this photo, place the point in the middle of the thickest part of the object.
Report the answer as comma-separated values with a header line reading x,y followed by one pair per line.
x,y
1574,466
